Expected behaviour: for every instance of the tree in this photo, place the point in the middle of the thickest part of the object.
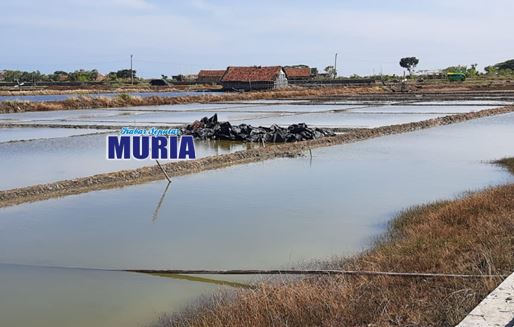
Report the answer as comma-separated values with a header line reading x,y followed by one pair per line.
x,y
59,76
509,64
83,75
491,70
331,71
409,63
125,73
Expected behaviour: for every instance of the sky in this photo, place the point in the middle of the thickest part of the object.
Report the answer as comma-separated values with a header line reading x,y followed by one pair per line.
x,y
171,37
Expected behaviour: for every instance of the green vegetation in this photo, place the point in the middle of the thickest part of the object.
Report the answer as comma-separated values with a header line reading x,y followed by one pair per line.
x,y
81,75
16,76
409,63
471,235
502,68
124,74
331,71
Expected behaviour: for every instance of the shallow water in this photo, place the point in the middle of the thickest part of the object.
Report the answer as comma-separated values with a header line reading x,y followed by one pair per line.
x,y
50,160
343,119
272,214
258,114
255,113
466,102
25,134
413,109
37,296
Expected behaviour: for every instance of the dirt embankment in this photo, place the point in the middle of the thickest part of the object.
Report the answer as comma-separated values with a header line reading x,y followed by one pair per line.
x,y
123,100
57,90
471,235
146,174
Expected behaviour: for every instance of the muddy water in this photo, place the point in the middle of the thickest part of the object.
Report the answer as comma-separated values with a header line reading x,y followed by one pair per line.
x,y
265,215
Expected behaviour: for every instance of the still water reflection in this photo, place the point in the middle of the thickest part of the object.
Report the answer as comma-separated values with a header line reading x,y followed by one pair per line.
x,y
265,215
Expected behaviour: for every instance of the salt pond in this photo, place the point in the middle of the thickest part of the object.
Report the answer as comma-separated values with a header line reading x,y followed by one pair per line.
x,y
265,215
25,134
364,116
50,160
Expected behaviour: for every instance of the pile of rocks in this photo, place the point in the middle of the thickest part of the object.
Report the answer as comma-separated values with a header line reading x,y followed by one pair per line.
x,y
212,129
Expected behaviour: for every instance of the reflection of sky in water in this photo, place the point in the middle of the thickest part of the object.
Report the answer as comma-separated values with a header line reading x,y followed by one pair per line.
x,y
412,109
255,114
270,214
50,160
280,211
24,134
62,297
342,119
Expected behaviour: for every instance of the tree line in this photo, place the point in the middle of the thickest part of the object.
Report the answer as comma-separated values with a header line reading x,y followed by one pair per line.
x,y
82,75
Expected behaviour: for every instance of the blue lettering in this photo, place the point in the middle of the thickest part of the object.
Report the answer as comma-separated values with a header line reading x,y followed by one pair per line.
x,y
118,147
141,147
187,147
159,150
173,147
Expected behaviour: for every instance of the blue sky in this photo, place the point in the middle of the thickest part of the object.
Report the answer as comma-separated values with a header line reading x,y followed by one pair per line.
x,y
169,37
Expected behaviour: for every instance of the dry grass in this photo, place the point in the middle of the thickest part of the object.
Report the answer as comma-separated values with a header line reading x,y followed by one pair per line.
x,y
471,235
95,89
124,100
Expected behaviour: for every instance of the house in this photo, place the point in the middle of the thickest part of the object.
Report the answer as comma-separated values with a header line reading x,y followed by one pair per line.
x,y
297,73
254,78
210,76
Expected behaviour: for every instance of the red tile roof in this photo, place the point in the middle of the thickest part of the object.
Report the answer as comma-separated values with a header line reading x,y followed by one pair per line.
x,y
297,72
252,74
211,73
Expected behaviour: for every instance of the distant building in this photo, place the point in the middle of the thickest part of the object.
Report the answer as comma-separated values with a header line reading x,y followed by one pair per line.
x,y
254,78
2,75
210,76
297,73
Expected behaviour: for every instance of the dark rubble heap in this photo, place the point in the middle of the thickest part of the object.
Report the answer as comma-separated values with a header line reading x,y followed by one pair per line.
x,y
212,129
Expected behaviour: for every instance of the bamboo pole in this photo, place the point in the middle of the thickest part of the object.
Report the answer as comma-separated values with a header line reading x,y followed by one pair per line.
x,y
164,172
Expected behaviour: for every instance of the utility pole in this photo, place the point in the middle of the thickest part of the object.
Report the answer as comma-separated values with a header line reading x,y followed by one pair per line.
x,y
335,66
131,71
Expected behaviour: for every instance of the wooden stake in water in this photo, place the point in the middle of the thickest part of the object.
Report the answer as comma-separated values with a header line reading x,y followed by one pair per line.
x,y
163,171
